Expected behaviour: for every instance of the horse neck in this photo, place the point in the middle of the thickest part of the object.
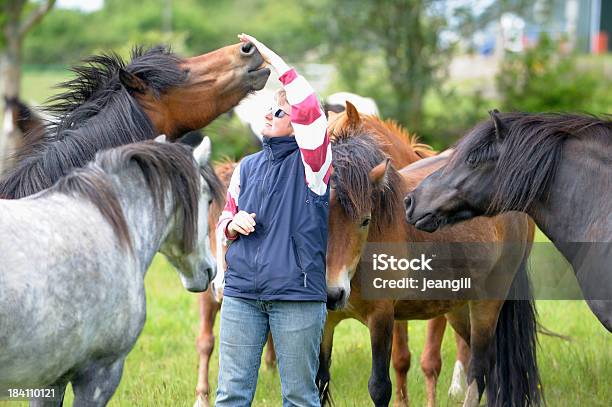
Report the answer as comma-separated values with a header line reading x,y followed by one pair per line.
x,y
148,224
569,211
398,148
117,124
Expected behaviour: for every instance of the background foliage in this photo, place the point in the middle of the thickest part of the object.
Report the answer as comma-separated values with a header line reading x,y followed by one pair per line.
x,y
394,51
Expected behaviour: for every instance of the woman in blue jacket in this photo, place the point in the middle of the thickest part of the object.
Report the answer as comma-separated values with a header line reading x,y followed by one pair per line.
x,y
275,220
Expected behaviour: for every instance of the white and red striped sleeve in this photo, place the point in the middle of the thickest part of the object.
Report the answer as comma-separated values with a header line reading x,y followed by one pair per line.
x,y
231,204
310,127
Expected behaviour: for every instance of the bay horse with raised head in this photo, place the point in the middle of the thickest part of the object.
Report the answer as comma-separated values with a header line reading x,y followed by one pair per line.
x,y
111,103
402,149
366,206
555,167
72,294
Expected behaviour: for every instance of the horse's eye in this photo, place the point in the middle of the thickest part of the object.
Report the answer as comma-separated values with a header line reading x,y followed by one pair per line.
x,y
210,201
365,222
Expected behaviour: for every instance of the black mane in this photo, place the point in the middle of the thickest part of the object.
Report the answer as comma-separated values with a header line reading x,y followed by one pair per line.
x,y
165,167
93,113
528,154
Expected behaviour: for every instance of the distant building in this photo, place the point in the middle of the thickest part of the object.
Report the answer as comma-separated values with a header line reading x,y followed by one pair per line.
x,y
589,24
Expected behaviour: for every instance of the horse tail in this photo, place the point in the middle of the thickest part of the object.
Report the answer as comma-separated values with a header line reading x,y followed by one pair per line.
x,y
324,391
514,380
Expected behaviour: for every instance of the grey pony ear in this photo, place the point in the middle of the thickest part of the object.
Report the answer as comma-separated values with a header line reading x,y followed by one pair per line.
x,y
499,125
202,152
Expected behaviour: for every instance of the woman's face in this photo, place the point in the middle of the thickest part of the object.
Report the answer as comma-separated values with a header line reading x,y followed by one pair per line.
x,y
278,121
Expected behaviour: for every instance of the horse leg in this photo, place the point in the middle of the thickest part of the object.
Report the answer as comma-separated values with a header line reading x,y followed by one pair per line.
x,y
431,360
327,342
96,384
381,337
205,344
60,388
483,321
270,356
400,357
459,381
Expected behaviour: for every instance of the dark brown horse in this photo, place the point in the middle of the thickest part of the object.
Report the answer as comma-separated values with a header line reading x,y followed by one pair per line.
x,y
25,119
555,167
402,149
110,103
22,125
366,206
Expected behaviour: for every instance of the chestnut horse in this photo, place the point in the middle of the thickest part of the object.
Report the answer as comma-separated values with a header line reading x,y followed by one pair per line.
x,y
366,206
111,103
402,149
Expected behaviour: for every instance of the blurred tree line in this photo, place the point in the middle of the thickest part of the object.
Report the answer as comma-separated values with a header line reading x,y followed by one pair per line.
x,y
395,51
195,27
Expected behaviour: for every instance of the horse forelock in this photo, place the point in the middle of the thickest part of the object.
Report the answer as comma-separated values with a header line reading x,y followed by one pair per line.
x,y
354,156
529,153
95,112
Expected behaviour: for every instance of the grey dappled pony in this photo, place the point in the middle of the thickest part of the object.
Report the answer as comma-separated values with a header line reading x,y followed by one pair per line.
x,y
74,258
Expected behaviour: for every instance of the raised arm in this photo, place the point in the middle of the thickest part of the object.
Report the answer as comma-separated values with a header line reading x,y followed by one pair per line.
x,y
307,119
310,127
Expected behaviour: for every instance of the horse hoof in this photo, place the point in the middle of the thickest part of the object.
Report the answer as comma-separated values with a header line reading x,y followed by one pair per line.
x,y
401,402
458,387
201,401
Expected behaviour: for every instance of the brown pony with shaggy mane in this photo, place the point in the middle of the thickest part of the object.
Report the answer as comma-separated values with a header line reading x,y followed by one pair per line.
x,y
352,188
366,206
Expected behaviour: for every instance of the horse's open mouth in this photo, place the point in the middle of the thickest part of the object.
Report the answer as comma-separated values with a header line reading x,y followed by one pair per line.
x,y
260,69
260,76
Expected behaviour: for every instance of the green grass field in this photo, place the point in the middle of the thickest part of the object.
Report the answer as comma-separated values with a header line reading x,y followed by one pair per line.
x,y
162,368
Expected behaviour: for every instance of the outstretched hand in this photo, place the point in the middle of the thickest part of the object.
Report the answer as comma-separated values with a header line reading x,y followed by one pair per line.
x,y
268,55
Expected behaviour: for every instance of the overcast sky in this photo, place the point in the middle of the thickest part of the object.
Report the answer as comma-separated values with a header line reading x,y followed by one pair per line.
x,y
85,5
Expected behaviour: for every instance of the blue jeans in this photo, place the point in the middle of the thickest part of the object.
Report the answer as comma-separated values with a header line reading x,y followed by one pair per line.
x,y
296,327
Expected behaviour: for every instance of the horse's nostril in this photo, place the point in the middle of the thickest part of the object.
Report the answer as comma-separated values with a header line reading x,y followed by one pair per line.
x,y
247,49
335,296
